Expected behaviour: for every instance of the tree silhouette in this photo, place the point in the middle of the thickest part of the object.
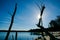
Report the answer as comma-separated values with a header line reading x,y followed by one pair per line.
x,y
12,21
58,20
41,26
55,24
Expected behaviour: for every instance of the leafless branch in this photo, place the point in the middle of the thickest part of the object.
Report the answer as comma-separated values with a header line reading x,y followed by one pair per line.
x,y
12,20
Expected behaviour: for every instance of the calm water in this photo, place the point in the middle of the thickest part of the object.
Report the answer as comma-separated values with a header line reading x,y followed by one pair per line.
x,y
21,36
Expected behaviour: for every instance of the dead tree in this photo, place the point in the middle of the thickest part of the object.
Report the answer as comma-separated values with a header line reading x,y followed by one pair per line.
x,y
46,31
40,24
16,36
12,21
40,19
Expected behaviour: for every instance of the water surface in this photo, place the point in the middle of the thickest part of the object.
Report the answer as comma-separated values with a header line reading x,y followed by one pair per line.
x,y
20,36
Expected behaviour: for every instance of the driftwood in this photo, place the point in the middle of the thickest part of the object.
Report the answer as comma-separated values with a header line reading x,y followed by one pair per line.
x,y
46,31
12,20
40,24
43,29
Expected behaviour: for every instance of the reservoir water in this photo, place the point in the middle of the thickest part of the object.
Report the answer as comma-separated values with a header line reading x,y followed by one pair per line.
x,y
20,36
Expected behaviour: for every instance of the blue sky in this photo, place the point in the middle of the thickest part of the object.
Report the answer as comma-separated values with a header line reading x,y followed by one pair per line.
x,y
27,13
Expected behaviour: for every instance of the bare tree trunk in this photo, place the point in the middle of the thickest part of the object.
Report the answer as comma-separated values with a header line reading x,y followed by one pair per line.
x,y
16,36
12,20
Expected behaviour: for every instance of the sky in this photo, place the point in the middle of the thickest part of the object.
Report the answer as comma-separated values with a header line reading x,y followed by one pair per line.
x,y
27,13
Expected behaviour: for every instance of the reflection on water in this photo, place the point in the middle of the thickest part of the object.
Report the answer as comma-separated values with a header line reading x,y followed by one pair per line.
x,y
20,36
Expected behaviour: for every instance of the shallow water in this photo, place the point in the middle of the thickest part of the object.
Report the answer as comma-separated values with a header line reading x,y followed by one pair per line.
x,y
20,36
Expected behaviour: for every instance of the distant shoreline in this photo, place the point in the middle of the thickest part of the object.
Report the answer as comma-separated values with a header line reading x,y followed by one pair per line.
x,y
25,31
